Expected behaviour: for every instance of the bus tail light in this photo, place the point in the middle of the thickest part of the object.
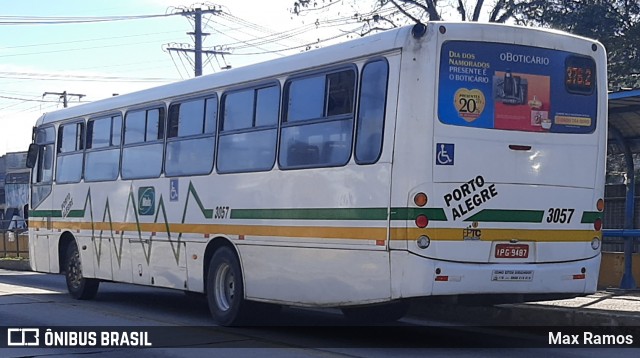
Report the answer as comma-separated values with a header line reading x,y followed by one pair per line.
x,y
422,221
595,243
600,205
597,224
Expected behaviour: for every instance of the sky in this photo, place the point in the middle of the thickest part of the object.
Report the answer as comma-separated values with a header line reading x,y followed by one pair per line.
x,y
99,59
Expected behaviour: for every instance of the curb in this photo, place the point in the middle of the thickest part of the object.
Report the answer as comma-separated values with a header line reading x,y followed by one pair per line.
x,y
522,314
15,265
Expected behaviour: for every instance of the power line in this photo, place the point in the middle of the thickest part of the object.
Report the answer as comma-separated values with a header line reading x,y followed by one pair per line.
x,y
274,37
295,47
25,99
89,40
14,104
76,49
51,76
48,20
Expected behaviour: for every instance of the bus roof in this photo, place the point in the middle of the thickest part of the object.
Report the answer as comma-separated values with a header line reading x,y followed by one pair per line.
x,y
368,45
372,44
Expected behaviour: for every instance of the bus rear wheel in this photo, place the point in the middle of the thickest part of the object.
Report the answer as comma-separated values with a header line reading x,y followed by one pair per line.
x,y
80,287
225,289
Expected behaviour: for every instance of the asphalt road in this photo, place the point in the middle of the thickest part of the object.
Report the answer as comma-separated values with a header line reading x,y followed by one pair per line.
x,y
185,329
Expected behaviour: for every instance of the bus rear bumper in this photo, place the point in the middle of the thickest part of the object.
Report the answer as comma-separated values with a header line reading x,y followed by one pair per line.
x,y
424,277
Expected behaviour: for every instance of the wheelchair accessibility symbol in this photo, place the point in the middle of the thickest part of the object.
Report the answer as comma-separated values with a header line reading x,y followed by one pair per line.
x,y
445,153
174,194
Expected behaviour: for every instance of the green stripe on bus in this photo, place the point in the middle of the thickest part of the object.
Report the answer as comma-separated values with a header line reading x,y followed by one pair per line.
x,y
589,217
311,214
434,214
508,216
57,213
45,213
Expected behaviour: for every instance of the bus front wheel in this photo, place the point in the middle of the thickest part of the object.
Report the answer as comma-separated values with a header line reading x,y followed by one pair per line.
x,y
225,289
79,287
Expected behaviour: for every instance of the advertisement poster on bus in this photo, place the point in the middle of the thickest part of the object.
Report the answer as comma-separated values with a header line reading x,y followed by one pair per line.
x,y
514,87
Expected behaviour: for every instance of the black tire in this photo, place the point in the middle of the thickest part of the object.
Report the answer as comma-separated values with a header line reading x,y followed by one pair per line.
x,y
225,288
79,287
388,312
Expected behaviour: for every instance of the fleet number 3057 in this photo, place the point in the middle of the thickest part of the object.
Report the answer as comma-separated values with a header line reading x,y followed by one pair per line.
x,y
561,216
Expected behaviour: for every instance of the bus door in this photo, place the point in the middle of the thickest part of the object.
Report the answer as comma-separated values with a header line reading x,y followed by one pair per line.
x,y
40,222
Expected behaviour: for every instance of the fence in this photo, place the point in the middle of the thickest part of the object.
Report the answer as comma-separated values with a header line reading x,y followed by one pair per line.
x,y
14,244
614,198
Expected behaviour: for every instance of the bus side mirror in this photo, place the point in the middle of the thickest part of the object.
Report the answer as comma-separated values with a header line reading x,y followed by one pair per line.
x,y
32,155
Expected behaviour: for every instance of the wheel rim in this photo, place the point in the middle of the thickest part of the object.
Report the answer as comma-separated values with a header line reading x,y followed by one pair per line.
x,y
74,270
225,287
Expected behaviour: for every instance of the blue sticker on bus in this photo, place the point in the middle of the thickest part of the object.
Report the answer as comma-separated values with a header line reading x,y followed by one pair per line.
x,y
445,153
174,193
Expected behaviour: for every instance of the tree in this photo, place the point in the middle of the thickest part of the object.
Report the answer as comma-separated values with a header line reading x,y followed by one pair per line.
x,y
384,14
615,23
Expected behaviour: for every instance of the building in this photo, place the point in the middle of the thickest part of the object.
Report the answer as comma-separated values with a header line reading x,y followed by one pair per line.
x,y
14,187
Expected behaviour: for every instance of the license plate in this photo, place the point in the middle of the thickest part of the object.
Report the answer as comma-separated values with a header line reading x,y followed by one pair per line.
x,y
512,251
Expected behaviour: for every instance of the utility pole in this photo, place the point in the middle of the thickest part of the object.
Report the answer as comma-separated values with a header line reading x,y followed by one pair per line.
x,y
64,96
197,38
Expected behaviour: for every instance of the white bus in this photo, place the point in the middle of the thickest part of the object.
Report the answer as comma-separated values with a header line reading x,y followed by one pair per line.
x,y
432,160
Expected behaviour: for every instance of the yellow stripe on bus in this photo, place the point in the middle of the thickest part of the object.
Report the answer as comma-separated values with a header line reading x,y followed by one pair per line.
x,y
357,233
448,234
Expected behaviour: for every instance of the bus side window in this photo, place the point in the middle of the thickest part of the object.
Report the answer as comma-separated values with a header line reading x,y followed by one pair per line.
x,y
191,137
43,171
143,147
70,152
317,124
102,156
248,133
371,111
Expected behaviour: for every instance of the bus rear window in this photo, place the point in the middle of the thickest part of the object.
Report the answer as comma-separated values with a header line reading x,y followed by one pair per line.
x,y
514,87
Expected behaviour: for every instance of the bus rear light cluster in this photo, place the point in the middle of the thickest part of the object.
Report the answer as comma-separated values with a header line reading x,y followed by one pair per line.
x,y
597,224
423,242
600,205
595,243
422,221
420,199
